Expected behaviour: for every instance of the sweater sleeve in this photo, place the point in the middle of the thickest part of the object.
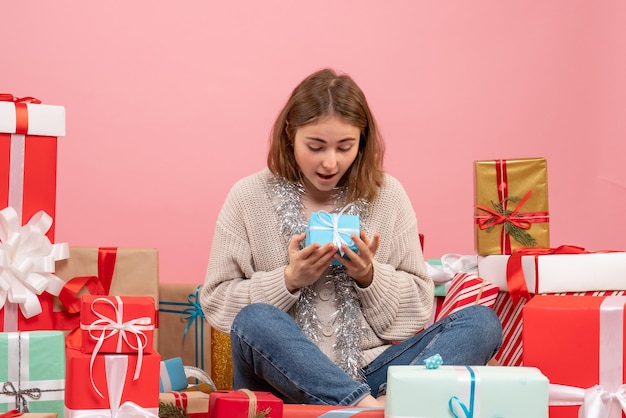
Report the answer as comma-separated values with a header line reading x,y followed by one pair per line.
x,y
399,301
231,281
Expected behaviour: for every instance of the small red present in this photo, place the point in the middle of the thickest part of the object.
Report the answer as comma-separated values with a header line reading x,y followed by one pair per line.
x,y
117,324
109,384
244,404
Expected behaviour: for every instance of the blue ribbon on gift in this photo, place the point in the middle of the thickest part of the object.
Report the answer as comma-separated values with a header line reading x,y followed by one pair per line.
x,y
468,412
193,314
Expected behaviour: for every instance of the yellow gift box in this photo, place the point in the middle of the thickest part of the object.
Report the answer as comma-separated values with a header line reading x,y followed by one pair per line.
x,y
511,205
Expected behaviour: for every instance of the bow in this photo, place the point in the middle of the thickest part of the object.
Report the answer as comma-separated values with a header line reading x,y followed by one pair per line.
x,y
117,325
27,261
20,395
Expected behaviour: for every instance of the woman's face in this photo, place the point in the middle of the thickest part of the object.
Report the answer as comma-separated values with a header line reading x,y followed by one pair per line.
x,y
325,150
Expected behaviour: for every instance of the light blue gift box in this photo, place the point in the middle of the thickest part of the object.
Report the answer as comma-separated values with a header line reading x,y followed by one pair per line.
x,y
32,369
172,375
325,227
469,391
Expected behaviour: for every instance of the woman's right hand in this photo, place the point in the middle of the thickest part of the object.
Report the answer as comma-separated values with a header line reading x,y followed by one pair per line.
x,y
306,265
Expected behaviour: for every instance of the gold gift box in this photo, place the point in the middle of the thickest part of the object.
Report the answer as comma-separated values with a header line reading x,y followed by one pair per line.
x,y
511,194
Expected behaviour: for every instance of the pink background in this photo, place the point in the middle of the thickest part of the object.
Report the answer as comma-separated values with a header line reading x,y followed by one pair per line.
x,y
169,102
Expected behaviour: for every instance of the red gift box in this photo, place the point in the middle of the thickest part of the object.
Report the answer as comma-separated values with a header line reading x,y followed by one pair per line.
x,y
327,411
28,155
238,403
578,343
117,324
106,383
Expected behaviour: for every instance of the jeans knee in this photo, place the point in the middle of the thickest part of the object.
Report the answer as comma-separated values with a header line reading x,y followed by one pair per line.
x,y
253,318
490,322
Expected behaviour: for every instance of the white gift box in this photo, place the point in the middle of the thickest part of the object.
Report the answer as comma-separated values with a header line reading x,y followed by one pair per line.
x,y
43,119
557,273
476,391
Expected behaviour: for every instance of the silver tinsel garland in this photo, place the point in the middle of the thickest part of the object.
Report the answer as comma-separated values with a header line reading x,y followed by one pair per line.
x,y
287,198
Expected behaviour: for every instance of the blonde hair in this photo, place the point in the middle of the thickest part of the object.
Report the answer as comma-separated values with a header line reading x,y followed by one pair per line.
x,y
327,93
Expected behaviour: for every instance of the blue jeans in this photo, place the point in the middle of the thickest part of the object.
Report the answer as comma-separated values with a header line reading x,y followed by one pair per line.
x,y
270,353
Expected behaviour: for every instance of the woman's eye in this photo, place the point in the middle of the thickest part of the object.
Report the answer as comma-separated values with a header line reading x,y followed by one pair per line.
x,y
345,149
315,149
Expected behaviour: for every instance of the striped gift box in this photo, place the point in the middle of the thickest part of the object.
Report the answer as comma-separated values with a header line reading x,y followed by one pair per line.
x,y
467,289
510,314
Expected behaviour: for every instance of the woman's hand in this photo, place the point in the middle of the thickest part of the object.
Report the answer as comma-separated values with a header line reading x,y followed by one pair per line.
x,y
359,266
306,265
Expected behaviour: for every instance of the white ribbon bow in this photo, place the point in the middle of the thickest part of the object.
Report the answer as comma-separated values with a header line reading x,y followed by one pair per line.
x,y
111,326
330,222
596,401
27,261
452,264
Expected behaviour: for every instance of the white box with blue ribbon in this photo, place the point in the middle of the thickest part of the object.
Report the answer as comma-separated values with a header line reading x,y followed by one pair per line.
x,y
466,391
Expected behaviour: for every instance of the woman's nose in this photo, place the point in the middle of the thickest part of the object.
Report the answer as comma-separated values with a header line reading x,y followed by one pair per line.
x,y
330,160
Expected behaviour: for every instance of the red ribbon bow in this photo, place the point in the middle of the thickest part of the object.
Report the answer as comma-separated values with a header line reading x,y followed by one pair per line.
x,y
514,217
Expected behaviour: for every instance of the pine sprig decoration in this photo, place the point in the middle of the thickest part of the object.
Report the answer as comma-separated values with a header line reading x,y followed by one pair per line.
x,y
169,410
519,234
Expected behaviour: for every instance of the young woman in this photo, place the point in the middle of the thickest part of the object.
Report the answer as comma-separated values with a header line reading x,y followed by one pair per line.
x,y
302,328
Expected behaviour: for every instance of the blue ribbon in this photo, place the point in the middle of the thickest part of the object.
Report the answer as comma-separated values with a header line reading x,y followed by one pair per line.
x,y
468,412
192,313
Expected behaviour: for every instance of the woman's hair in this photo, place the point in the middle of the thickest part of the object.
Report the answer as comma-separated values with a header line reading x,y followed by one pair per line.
x,y
327,93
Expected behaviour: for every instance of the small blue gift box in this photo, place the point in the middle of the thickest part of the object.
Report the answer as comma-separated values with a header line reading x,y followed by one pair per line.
x,y
325,227
172,375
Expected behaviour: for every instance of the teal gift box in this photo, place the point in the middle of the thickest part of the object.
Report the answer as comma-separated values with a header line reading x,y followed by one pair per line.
x,y
32,371
325,227
466,391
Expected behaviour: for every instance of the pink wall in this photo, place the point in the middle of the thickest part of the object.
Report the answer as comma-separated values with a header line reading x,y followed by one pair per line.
x,y
168,103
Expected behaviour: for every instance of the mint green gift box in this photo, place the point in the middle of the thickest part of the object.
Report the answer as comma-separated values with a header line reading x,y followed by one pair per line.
x,y
472,391
32,371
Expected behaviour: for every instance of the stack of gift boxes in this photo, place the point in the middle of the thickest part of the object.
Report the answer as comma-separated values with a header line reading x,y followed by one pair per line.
x,y
42,282
561,307
112,367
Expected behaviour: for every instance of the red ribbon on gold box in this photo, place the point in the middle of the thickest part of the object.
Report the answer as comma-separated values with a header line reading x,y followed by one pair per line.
x,y
511,201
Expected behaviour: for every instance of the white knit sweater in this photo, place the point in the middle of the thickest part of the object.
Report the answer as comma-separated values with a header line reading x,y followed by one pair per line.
x,y
249,254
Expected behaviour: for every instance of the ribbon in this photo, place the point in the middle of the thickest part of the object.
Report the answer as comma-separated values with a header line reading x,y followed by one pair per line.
x,y
116,325
451,264
20,395
608,398
457,407
193,314
433,362
116,367
70,295
27,264
21,110
515,279
330,222
520,219
252,405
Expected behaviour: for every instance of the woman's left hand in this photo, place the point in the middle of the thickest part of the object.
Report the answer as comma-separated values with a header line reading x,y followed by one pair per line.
x,y
359,266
